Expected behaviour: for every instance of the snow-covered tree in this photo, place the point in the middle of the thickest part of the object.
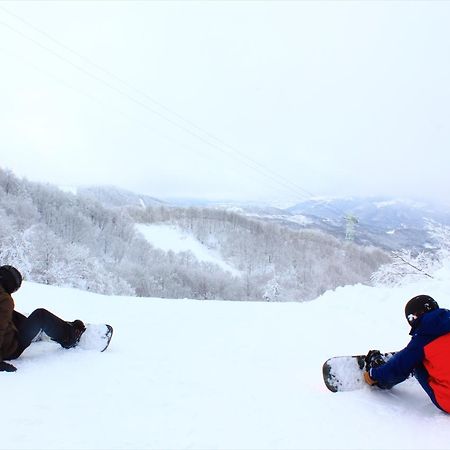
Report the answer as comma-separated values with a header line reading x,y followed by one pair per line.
x,y
60,238
406,266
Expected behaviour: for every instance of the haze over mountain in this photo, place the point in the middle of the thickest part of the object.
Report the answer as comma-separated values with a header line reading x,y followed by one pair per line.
x,y
388,223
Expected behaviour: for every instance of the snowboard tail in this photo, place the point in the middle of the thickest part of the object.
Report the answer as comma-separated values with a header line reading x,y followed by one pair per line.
x,y
96,337
346,373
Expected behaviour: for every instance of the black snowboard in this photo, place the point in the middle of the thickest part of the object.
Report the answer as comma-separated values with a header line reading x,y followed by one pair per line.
x,y
346,373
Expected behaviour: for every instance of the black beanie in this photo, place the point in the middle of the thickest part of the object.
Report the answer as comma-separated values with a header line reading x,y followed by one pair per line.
x,y
10,278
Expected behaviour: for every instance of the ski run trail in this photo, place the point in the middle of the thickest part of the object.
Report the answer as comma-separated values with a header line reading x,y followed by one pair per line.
x,y
189,374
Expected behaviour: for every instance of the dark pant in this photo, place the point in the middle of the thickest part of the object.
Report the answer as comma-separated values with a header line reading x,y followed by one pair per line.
x,y
41,320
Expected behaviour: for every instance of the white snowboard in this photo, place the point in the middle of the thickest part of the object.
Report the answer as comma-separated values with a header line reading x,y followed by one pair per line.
x,y
346,373
96,337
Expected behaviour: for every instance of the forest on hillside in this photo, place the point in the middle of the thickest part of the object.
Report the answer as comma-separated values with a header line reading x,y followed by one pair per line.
x,y
64,239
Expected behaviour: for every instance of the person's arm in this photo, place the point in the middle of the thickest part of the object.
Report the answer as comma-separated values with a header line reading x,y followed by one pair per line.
x,y
398,368
6,312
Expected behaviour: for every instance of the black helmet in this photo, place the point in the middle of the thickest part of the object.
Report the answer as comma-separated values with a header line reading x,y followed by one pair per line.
x,y
418,306
10,278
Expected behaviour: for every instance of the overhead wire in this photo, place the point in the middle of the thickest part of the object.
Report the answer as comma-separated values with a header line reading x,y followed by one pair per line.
x,y
165,108
223,147
219,144
246,163
102,103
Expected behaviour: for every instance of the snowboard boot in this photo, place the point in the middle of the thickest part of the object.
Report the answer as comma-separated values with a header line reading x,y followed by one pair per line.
x,y
74,333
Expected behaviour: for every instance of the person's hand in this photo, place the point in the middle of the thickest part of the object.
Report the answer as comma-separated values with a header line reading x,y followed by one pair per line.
x,y
369,380
6,367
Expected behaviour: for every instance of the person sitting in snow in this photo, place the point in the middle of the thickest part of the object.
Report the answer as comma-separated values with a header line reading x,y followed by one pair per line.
x,y
18,331
427,356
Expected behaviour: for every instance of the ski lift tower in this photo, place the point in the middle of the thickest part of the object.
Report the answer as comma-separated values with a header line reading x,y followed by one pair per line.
x,y
350,225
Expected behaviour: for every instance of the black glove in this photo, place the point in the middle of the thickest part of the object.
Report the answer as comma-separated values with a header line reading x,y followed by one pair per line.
x,y
6,367
374,359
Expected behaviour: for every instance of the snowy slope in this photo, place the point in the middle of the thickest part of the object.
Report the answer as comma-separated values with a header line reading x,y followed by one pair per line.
x,y
171,237
212,375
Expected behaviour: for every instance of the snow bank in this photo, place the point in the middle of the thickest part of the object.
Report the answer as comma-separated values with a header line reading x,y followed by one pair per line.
x,y
212,375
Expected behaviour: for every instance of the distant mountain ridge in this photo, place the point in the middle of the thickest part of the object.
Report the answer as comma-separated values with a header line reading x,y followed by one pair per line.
x,y
388,223
375,212
380,221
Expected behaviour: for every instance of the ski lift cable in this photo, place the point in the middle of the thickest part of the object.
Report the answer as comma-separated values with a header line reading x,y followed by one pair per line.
x,y
141,122
159,104
298,189
249,162
169,139
106,71
222,147
254,165
262,170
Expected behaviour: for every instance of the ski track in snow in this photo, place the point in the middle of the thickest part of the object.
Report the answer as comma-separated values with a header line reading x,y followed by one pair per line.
x,y
169,237
217,375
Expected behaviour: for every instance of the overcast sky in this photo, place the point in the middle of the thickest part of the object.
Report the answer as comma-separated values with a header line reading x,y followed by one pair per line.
x,y
232,99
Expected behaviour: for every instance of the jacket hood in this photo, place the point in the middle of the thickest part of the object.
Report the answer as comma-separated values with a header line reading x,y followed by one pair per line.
x,y
433,323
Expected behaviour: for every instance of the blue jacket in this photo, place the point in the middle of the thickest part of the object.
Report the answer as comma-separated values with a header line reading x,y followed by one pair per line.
x,y
427,357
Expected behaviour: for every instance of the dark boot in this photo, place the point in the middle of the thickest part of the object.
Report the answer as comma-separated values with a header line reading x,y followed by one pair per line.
x,y
73,334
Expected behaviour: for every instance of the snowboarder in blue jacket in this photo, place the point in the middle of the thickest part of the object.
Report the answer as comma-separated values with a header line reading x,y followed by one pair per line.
x,y
427,356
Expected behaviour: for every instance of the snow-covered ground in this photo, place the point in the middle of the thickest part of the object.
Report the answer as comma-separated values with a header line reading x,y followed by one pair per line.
x,y
170,237
217,375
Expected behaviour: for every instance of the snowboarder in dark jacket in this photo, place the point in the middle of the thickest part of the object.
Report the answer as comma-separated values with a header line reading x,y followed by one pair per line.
x,y
18,331
427,356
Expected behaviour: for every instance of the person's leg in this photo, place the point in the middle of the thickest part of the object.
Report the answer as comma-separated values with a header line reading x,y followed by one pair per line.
x,y
67,334
18,319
